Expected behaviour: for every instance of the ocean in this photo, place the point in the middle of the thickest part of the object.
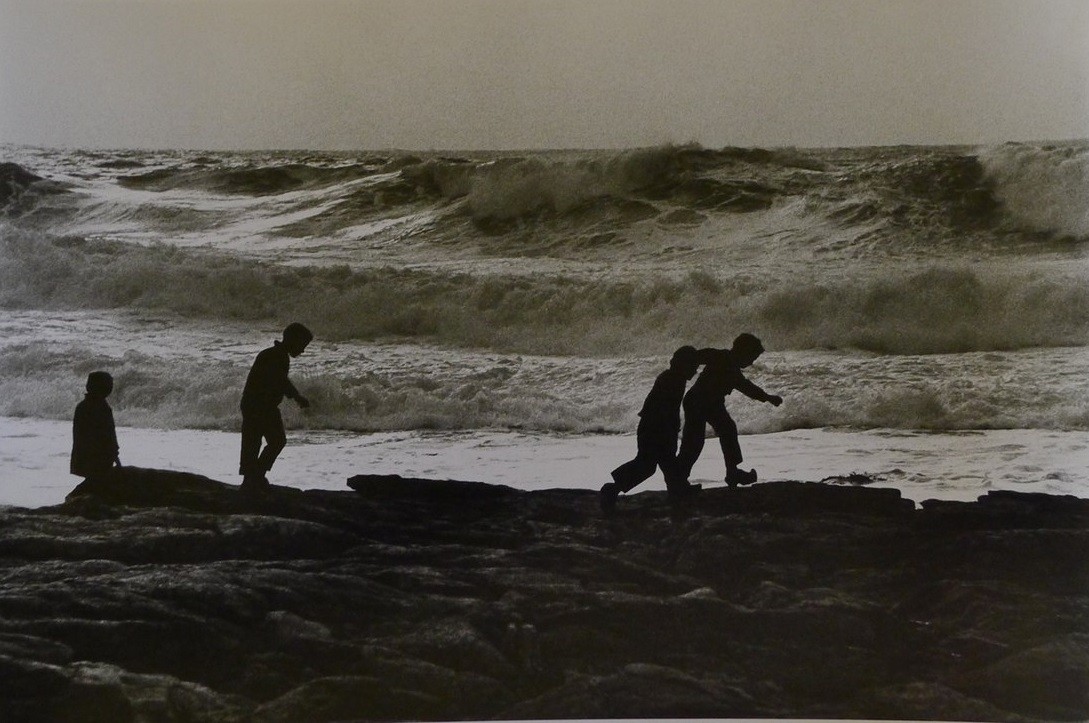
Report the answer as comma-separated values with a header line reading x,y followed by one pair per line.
x,y
500,316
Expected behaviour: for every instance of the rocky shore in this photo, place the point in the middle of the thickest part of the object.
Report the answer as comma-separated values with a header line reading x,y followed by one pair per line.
x,y
161,596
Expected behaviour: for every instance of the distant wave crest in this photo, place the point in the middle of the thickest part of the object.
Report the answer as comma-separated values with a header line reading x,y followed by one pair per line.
x,y
873,201
518,187
1044,187
259,180
21,190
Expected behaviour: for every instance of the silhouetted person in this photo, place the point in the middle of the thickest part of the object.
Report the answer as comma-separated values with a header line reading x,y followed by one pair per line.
x,y
656,435
266,386
705,403
94,438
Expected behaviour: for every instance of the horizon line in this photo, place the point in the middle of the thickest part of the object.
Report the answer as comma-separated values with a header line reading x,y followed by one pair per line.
x,y
538,149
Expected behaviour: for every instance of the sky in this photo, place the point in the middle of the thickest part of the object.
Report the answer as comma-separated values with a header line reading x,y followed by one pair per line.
x,y
521,74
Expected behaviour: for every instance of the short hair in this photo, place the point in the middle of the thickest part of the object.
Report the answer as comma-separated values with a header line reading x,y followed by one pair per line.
x,y
684,355
747,343
297,332
99,383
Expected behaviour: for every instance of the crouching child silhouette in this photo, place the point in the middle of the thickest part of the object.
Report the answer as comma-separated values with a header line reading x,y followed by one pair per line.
x,y
656,435
95,451
705,403
266,386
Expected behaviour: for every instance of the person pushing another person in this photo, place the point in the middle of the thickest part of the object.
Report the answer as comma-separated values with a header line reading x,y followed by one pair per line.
x,y
656,435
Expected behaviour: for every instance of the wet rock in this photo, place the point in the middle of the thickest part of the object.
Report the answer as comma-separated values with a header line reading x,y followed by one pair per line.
x,y
347,698
1049,681
457,645
927,701
640,691
164,596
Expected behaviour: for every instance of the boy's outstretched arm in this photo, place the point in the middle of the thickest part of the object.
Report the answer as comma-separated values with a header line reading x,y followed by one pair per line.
x,y
752,391
292,393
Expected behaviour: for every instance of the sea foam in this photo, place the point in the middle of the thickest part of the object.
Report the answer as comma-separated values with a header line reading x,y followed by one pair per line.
x,y
1046,188
895,310
897,282
193,380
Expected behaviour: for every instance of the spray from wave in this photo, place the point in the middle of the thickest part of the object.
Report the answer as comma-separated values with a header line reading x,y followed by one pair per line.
x,y
524,187
1046,188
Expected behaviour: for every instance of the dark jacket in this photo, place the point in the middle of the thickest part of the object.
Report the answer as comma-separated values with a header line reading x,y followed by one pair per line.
x,y
721,375
267,383
661,412
94,437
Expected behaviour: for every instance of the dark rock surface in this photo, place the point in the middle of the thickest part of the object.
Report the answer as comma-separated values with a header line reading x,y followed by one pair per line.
x,y
160,596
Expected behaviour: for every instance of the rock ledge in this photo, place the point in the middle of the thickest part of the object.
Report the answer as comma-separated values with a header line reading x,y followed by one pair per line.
x,y
162,596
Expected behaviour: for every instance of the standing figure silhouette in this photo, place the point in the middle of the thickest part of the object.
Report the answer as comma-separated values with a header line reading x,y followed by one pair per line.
x,y
266,386
95,451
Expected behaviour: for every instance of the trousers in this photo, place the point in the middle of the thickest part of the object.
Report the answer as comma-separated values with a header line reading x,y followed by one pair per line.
x,y
261,425
654,450
696,418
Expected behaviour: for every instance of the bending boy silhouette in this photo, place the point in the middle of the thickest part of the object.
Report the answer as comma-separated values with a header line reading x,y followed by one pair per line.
x,y
705,403
656,435
94,438
266,386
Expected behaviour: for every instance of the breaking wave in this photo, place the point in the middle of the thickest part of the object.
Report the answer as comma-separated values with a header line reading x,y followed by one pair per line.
x,y
873,275
250,180
1046,188
548,394
517,187
931,310
898,200
36,381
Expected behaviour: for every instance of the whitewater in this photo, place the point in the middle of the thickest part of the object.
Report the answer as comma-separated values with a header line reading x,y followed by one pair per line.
x,y
500,316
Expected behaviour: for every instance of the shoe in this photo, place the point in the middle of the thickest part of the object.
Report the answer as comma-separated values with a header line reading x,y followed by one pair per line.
x,y
607,496
741,477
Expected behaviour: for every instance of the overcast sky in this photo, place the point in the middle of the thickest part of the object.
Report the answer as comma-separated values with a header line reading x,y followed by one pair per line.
x,y
470,74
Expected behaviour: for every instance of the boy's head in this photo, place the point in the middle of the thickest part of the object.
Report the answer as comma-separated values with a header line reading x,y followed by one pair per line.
x,y
99,383
296,337
747,348
684,360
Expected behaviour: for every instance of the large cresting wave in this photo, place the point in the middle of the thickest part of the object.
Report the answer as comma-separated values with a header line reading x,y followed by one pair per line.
x,y
933,309
1047,187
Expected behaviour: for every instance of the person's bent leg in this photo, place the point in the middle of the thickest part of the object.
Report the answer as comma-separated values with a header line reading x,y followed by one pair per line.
x,y
628,475
275,441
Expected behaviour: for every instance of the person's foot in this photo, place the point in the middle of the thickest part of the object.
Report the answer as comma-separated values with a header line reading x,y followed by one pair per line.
x,y
607,496
737,477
